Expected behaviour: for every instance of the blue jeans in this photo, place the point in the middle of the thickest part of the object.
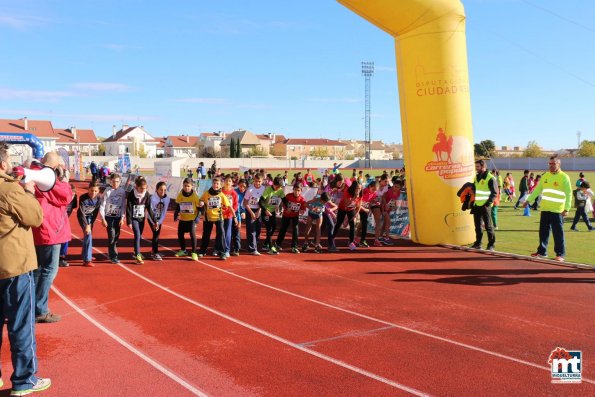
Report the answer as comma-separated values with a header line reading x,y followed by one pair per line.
x,y
64,250
137,227
48,257
252,232
113,235
227,226
329,224
236,237
555,222
16,306
87,246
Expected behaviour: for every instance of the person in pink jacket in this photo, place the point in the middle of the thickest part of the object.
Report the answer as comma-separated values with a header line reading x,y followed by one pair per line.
x,y
48,237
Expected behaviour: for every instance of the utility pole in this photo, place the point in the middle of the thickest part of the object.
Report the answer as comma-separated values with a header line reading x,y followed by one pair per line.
x,y
367,72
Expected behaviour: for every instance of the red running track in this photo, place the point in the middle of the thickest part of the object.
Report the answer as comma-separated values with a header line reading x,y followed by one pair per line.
x,y
399,320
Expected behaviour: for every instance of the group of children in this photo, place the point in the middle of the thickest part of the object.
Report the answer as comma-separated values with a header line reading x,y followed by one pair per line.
x,y
257,200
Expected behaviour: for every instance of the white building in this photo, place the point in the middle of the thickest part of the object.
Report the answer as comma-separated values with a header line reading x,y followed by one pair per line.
x,y
182,146
73,139
133,140
211,141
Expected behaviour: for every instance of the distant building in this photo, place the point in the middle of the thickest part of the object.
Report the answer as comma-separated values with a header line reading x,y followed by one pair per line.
x,y
311,148
83,140
160,146
133,140
509,151
182,146
211,142
248,142
378,150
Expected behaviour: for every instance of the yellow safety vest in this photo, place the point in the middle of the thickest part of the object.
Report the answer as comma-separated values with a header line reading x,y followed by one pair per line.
x,y
482,190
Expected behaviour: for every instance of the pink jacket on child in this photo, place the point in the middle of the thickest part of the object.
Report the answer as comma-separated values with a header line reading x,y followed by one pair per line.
x,y
55,228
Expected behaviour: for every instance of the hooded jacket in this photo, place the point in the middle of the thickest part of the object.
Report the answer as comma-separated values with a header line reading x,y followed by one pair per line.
x,y
55,228
19,212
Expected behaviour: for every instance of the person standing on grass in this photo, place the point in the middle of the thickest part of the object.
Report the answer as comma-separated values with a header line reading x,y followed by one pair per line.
x,y
486,191
187,211
138,207
215,204
269,203
253,212
159,205
556,197
523,188
580,180
86,215
19,212
113,213
49,236
582,197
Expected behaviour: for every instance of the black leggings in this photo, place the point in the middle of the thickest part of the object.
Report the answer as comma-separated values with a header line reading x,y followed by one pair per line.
x,y
183,228
363,217
340,218
285,221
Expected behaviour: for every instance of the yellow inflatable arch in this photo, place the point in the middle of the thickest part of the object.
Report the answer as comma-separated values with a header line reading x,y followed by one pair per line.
x,y
431,54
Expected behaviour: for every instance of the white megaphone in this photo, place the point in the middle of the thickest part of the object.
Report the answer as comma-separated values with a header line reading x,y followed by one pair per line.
x,y
44,178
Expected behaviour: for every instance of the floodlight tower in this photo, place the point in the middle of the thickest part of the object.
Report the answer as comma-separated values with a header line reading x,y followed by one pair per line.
x,y
367,72
578,135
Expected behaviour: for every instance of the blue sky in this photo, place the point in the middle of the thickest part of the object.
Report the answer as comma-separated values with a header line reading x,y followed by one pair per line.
x,y
188,66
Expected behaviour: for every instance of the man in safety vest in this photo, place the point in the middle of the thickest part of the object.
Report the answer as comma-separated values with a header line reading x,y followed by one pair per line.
x,y
556,198
486,190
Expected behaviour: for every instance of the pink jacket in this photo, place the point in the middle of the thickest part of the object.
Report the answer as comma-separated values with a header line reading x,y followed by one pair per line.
x,y
55,228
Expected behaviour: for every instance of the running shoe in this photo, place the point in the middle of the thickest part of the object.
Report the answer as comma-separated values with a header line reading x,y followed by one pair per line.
x,y
138,258
538,255
318,249
332,248
194,256
559,258
181,253
88,264
352,246
115,261
223,257
305,247
387,241
63,263
41,385
255,253
265,247
216,253
491,248
273,251
235,253
295,250
476,246
357,240
156,257
227,254
363,244
378,243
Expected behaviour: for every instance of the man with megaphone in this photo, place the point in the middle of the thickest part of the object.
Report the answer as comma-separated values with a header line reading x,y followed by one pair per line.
x,y
54,230
19,212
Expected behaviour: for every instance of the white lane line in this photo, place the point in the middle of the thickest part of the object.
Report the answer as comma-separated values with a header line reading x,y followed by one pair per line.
x,y
401,327
167,372
312,343
361,315
314,353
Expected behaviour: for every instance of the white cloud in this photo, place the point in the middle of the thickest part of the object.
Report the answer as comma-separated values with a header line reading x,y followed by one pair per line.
x,y
110,87
34,95
204,101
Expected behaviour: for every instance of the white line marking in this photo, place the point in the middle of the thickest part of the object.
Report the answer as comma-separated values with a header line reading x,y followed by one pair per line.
x,y
361,315
128,346
314,353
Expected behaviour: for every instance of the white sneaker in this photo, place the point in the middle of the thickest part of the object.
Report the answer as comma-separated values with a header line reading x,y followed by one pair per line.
x,y
41,385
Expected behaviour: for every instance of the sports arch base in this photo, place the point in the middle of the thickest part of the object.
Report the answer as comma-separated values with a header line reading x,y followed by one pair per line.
x,y
431,54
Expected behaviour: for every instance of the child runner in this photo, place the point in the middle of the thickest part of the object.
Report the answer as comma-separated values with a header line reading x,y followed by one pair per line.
x,y
86,215
390,202
368,197
376,208
159,205
349,207
316,208
69,208
253,211
293,204
236,237
230,220
138,206
269,202
215,204
309,178
187,211
112,211
582,201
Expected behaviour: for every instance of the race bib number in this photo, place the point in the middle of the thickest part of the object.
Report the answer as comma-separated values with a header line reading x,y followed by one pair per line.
x,y
186,208
88,209
113,210
253,202
158,210
214,202
392,204
294,207
138,211
351,206
275,200
366,204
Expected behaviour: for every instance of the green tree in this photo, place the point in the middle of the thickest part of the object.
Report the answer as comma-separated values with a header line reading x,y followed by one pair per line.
x,y
586,149
257,151
319,151
533,150
232,148
141,152
485,149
